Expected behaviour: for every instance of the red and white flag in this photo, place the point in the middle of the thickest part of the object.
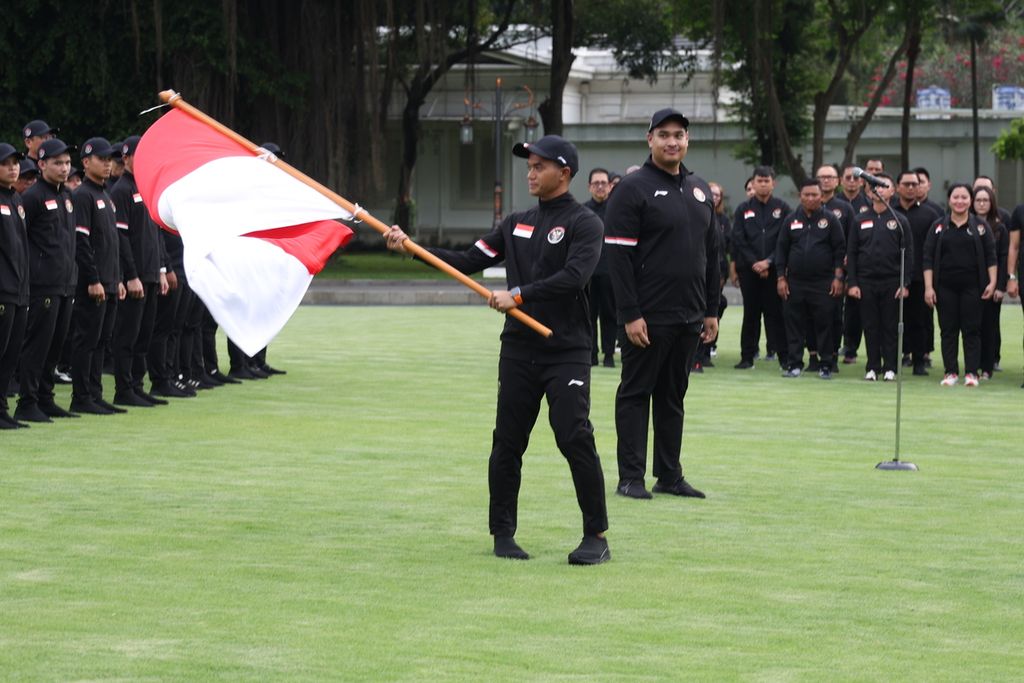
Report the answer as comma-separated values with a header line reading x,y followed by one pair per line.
x,y
254,236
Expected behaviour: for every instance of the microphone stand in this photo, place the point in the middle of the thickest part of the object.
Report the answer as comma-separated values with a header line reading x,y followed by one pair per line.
x,y
896,463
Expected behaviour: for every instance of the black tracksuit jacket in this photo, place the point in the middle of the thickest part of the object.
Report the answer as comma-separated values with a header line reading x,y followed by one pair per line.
x,y
550,252
873,250
984,248
97,250
14,278
50,221
920,217
141,248
662,240
755,230
810,248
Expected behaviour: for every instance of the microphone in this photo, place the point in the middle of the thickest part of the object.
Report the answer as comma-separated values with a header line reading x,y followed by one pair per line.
x,y
859,172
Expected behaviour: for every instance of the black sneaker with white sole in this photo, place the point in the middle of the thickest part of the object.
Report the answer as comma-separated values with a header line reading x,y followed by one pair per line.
x,y
633,488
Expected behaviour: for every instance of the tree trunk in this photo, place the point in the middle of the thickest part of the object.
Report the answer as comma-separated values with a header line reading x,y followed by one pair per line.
x,y
858,128
913,50
562,23
974,106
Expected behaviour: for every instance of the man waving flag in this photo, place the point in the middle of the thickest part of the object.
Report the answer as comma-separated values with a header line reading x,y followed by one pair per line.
x,y
254,235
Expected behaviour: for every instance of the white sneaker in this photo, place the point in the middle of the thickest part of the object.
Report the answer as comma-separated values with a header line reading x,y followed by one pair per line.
x,y
889,376
970,380
871,376
949,380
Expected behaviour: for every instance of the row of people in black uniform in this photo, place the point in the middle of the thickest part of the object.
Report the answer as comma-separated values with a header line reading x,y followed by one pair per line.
x,y
88,277
821,275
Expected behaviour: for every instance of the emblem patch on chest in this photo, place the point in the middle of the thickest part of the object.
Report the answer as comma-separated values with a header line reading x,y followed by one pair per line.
x,y
69,206
699,195
823,223
556,235
777,213
891,224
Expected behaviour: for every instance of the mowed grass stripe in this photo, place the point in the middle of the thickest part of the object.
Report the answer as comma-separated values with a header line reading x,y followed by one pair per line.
x,y
331,523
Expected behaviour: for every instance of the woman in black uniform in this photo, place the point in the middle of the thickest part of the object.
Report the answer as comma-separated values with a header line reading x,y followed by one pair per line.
x,y
959,277
986,208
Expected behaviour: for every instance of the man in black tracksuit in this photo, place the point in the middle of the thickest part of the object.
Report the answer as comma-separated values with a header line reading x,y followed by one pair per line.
x,y
809,260
916,314
53,274
755,235
14,292
144,271
873,277
662,241
602,296
99,280
550,252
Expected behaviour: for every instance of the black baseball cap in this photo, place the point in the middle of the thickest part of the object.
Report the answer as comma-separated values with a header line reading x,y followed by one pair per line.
x,y
97,147
553,147
7,151
75,171
273,148
127,148
53,147
38,127
28,167
668,114
115,149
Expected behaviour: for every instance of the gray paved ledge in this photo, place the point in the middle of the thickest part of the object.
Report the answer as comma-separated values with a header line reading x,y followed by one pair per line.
x,y
326,292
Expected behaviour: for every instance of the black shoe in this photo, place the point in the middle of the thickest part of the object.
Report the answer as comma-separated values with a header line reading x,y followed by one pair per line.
x,y
680,488
222,378
697,368
920,370
8,422
506,546
813,364
744,365
708,364
183,386
825,372
240,374
591,550
149,398
54,410
906,361
771,355
257,373
31,413
130,398
168,389
112,408
201,383
633,488
89,407
207,378
609,361
274,371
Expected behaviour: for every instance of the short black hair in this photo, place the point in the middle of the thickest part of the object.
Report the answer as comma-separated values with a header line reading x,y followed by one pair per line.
x,y
921,170
847,167
888,177
906,172
970,190
763,172
590,178
809,182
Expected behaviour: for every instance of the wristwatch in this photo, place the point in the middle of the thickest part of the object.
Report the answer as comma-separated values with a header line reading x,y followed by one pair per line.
x,y
1013,276
517,295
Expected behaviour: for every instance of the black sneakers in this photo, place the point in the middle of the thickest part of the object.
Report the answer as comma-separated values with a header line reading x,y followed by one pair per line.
x,y
679,488
633,488
31,413
591,550
130,398
506,546
744,365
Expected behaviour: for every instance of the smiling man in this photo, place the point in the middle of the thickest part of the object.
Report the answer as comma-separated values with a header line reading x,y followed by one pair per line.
x,y
662,242
550,252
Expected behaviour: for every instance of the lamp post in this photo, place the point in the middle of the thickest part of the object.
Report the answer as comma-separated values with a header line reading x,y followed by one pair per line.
x,y
466,135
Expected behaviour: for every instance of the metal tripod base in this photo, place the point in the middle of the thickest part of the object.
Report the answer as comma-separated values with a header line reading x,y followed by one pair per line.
x,y
896,465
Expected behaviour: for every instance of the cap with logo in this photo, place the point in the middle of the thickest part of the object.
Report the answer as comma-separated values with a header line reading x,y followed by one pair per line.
x,y
28,168
54,147
553,147
668,114
37,127
127,148
99,147
8,151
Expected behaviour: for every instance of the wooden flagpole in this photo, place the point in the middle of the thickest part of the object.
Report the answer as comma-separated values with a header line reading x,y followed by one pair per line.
x,y
175,100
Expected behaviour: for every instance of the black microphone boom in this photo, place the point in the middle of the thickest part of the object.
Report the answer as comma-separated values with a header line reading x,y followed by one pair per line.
x,y
859,172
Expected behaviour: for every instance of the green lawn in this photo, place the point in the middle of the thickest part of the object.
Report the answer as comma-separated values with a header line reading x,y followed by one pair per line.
x,y
377,265
331,524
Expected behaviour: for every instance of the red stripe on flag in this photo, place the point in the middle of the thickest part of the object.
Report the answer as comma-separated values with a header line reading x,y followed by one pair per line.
x,y
310,243
194,143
